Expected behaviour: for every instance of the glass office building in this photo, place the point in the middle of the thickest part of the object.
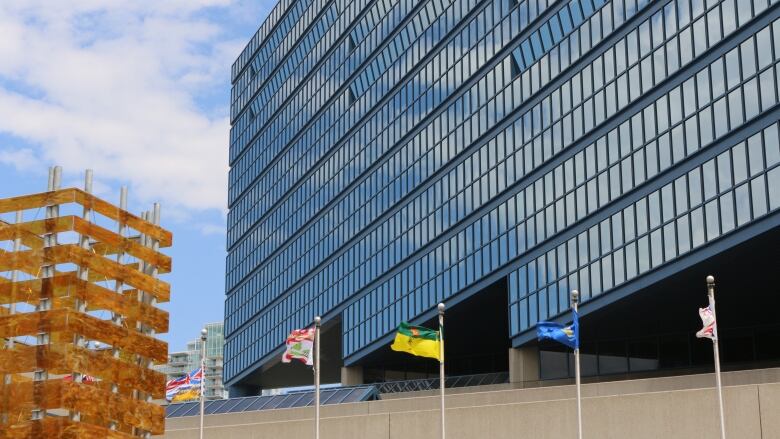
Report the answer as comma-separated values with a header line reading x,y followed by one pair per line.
x,y
494,154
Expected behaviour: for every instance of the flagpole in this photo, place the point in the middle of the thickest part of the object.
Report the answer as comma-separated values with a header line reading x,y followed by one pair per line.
x,y
441,365
575,297
716,352
203,333
317,321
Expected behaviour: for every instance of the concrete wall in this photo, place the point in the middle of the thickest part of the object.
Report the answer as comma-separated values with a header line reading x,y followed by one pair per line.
x,y
684,407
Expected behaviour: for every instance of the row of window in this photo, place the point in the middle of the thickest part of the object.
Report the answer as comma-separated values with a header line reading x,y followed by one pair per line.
x,y
315,141
478,24
294,225
273,91
364,27
711,200
282,216
550,33
293,80
281,48
374,25
262,72
317,87
266,57
302,269
586,7
389,256
752,199
399,45
572,204
259,38
576,188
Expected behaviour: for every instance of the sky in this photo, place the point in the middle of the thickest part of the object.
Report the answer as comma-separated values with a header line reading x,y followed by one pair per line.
x,y
138,91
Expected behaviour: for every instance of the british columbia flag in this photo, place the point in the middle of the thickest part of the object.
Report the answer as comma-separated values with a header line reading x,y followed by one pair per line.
x,y
172,387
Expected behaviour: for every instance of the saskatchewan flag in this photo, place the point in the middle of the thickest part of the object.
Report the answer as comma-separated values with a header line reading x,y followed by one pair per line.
x,y
416,340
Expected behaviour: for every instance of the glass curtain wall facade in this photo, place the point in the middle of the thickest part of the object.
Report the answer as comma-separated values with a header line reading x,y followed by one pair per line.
x,y
388,155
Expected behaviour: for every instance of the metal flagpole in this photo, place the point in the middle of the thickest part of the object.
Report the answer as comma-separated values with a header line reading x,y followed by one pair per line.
x,y
203,333
317,321
441,366
711,296
575,298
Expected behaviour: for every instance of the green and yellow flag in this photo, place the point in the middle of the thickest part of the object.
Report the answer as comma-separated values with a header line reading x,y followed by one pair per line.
x,y
417,340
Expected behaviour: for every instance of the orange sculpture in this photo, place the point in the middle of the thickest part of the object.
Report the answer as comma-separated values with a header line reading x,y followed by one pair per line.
x,y
78,316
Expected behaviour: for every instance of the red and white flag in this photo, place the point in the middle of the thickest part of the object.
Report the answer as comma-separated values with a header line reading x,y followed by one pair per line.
x,y
708,319
300,346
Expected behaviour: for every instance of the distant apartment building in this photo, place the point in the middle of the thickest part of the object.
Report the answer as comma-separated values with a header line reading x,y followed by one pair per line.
x,y
183,362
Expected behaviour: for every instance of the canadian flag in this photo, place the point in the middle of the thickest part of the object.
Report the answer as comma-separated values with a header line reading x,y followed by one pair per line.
x,y
708,319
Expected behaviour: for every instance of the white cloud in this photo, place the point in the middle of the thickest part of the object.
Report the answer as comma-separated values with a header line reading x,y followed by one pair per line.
x,y
124,88
22,158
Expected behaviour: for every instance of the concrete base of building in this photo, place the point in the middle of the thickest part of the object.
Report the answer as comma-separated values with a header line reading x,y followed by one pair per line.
x,y
680,407
524,366
352,376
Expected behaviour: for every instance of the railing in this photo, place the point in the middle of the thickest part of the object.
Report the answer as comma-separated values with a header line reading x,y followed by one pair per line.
x,y
450,382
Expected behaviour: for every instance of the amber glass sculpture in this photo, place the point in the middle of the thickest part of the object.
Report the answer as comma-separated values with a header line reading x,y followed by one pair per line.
x,y
79,291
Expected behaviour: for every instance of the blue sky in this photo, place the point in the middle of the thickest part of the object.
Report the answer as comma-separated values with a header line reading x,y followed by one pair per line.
x,y
139,92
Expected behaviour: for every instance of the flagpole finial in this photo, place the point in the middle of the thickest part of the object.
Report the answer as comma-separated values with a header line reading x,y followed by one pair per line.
x,y
441,308
575,296
317,320
710,280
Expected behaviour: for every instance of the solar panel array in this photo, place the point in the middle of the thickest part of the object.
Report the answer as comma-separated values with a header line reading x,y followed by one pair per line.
x,y
338,395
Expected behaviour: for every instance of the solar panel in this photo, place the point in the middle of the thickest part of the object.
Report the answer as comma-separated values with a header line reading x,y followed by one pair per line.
x,y
214,406
361,394
269,402
307,399
192,410
229,404
326,396
260,403
172,409
339,396
243,403
290,401
275,401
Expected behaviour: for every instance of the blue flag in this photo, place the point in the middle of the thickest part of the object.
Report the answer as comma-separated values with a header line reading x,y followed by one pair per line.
x,y
568,335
